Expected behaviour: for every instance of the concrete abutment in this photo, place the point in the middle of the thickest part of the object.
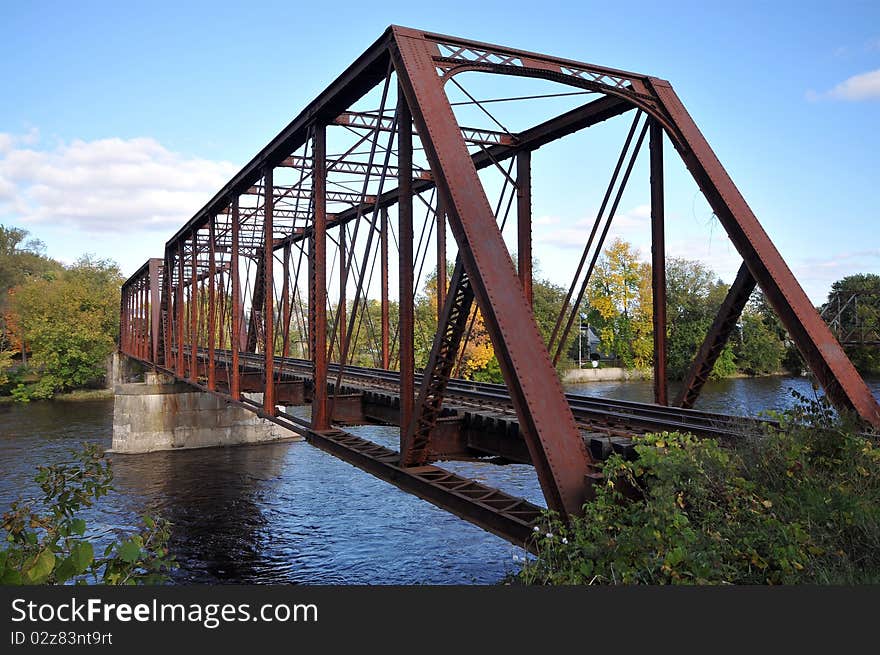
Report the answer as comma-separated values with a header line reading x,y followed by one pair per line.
x,y
161,414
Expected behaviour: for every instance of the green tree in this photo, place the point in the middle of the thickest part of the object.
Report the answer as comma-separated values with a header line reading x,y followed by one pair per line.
x,y
70,320
693,295
21,258
759,350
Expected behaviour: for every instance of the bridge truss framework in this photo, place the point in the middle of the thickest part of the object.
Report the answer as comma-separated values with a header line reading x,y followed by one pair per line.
x,y
228,287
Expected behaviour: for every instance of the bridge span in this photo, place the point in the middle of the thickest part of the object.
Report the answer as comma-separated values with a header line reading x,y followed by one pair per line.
x,y
272,287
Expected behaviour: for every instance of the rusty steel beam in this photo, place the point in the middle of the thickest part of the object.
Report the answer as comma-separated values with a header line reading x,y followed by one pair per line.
x,y
658,262
441,257
560,457
406,321
353,167
168,306
341,306
235,338
450,331
717,337
318,285
268,297
524,221
471,135
296,193
181,367
193,309
212,305
385,327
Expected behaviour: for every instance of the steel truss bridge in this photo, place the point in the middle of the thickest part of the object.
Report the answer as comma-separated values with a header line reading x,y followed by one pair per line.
x,y
270,288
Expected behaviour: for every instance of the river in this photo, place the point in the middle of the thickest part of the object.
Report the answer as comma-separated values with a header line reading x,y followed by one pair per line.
x,y
290,513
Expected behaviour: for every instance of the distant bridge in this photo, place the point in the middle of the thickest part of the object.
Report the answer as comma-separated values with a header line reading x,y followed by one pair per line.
x,y
265,290
854,317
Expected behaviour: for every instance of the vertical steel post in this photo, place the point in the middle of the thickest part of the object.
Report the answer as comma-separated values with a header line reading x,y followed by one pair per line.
x,y
658,261
318,262
235,336
180,369
405,235
168,272
194,310
441,255
341,307
285,303
155,314
269,295
138,320
524,221
383,230
212,302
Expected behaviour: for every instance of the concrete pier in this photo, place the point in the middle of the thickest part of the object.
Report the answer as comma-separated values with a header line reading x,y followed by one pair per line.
x,y
160,414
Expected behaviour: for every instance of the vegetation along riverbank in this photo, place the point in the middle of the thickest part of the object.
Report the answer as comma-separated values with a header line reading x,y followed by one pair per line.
x,y
800,504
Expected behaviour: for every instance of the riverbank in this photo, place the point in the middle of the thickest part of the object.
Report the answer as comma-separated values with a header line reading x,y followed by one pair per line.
x,y
72,396
616,374
610,374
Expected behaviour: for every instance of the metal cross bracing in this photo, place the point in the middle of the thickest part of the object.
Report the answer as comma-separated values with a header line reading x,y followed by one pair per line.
x,y
854,317
278,271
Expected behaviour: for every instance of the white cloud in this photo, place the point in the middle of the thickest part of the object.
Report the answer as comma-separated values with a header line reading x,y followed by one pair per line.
x,y
864,86
105,185
632,225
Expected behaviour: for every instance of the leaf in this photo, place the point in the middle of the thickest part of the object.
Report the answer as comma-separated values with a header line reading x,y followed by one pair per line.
x,y
129,552
65,570
10,577
82,554
78,526
41,568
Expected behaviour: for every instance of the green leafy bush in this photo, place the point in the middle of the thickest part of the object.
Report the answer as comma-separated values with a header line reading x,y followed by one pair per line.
x,y
800,505
48,543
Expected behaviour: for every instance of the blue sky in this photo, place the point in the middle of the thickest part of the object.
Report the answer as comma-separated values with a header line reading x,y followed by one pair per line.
x,y
119,120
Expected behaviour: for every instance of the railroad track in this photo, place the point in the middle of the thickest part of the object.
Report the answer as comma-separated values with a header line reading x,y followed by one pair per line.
x,y
592,413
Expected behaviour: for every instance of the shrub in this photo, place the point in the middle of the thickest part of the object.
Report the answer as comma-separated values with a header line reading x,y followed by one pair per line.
x,y
799,505
48,543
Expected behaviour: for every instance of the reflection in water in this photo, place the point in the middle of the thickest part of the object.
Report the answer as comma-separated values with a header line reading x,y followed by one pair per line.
x,y
289,513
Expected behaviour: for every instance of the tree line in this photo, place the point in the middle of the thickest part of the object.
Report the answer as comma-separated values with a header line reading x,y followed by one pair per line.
x,y
58,323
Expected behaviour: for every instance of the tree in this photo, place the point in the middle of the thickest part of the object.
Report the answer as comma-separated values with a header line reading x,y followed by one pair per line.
x,y
693,296
620,302
760,350
21,259
70,320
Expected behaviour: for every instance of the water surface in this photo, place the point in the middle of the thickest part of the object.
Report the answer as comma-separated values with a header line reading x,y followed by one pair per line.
x,y
290,513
